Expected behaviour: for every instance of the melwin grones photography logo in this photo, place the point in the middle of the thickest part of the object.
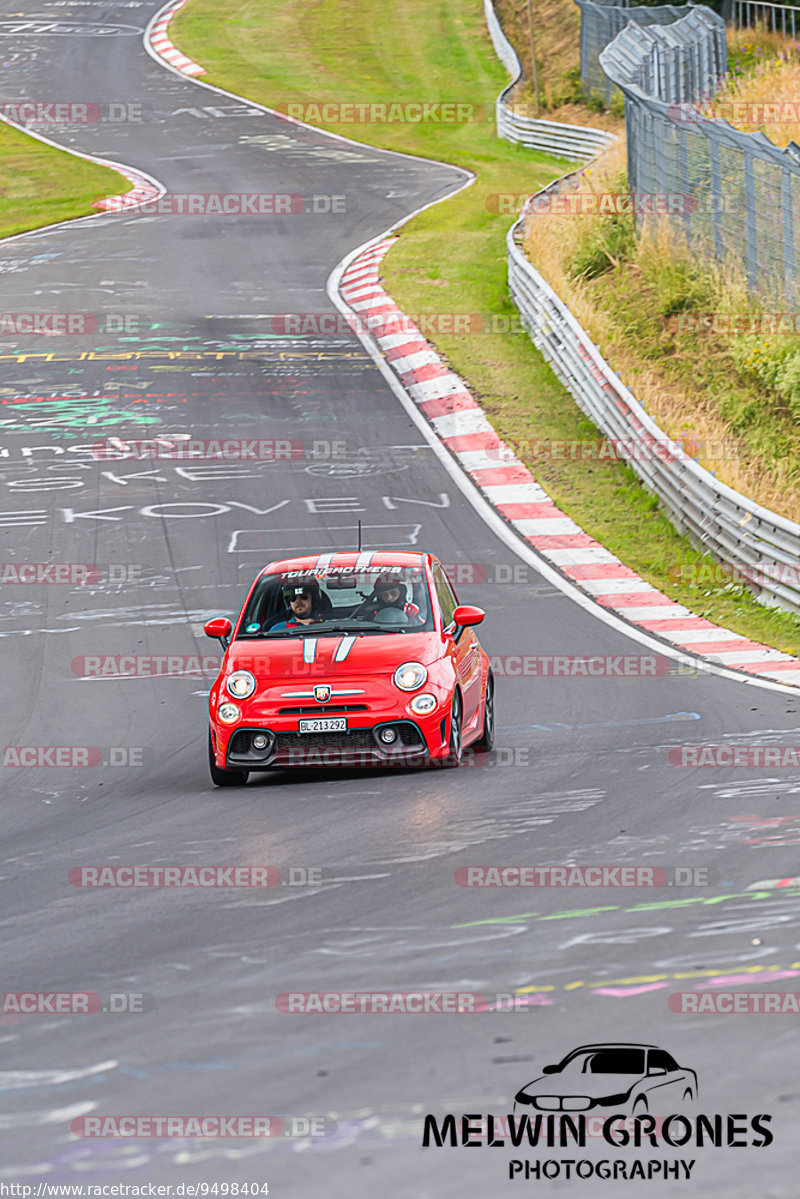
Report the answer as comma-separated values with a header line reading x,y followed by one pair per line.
x,y
631,1097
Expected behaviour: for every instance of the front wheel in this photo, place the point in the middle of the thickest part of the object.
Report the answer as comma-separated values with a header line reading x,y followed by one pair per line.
x,y
486,740
455,746
220,777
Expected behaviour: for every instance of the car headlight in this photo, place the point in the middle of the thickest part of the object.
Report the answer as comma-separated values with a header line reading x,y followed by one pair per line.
x,y
410,676
229,713
422,704
240,684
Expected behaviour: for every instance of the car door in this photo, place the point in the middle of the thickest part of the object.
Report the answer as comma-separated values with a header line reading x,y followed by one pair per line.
x,y
666,1088
467,648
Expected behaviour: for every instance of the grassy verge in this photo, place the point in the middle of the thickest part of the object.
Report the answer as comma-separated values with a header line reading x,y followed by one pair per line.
x,y
40,185
452,258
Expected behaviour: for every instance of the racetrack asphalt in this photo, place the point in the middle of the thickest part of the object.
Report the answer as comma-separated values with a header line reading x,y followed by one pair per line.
x,y
187,343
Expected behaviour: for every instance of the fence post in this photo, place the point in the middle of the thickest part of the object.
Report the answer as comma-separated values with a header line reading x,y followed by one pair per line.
x,y
787,216
717,202
751,230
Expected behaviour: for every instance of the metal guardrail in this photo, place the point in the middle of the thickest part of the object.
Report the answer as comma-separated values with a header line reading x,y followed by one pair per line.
x,y
573,142
734,528
600,24
758,14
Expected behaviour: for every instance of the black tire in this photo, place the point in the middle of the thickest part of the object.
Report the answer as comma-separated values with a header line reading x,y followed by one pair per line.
x,y
486,740
456,744
220,777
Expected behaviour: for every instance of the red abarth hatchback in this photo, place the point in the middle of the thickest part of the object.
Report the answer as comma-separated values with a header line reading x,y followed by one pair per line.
x,y
349,659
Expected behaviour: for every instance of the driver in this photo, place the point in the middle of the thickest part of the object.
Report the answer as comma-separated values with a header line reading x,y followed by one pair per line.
x,y
389,593
304,605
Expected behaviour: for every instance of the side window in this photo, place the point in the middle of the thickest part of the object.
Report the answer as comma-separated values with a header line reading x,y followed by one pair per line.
x,y
660,1059
444,592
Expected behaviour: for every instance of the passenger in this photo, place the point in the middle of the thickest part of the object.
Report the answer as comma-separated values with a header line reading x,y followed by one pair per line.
x,y
389,593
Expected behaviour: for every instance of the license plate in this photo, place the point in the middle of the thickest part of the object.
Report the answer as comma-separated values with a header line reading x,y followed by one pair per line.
x,y
325,724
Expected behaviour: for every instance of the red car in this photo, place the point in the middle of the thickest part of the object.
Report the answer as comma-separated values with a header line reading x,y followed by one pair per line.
x,y
348,659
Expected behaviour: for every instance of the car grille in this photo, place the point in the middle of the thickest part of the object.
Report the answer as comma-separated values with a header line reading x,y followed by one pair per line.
x,y
356,747
356,739
322,710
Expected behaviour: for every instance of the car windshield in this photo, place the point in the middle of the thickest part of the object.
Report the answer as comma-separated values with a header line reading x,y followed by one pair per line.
x,y
609,1061
381,599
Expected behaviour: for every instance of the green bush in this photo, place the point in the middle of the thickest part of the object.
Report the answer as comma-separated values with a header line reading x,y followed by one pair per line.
x,y
606,241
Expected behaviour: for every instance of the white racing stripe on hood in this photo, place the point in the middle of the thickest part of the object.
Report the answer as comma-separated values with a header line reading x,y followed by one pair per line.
x,y
363,560
343,648
309,648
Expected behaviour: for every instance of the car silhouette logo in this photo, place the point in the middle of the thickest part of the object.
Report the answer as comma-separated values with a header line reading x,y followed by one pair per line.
x,y
322,693
625,1077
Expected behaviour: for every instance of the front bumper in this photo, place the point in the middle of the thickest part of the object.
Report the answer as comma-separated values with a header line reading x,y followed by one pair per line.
x,y
354,747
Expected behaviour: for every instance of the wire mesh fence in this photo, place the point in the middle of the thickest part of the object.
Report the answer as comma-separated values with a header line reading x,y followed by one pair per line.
x,y
772,18
742,192
601,21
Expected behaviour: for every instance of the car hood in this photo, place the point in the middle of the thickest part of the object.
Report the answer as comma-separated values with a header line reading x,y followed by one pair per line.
x,y
569,1082
283,657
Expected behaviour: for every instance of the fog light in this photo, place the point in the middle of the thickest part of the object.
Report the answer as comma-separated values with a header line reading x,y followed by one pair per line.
x,y
422,704
388,735
229,713
260,741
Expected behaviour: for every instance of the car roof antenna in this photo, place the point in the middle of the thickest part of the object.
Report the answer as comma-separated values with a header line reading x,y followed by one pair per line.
x,y
359,537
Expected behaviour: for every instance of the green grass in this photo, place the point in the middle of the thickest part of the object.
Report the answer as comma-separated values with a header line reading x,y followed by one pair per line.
x,y
40,185
452,258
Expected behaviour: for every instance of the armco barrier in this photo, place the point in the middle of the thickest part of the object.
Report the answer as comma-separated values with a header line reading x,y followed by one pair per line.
x,y
717,518
574,142
601,21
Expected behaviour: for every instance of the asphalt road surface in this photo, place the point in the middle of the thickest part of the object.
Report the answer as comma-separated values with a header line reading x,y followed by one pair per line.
x,y
186,343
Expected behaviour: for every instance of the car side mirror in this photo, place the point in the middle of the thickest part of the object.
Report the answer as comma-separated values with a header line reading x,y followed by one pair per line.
x,y
219,629
467,614
656,1070
550,1070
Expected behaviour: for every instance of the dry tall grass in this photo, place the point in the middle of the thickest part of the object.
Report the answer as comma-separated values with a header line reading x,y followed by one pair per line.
x,y
772,78
553,242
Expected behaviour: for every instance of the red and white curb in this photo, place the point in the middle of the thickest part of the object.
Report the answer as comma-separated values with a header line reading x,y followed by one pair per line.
x,y
164,48
461,424
143,191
